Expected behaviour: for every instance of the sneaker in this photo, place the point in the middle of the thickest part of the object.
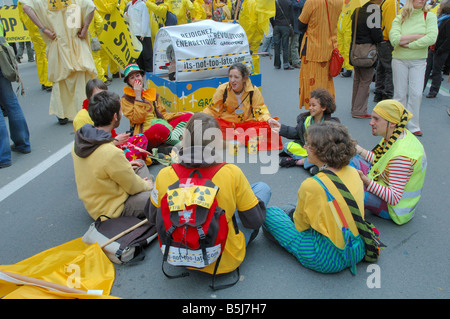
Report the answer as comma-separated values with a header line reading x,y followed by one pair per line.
x,y
418,133
287,162
15,149
289,68
63,121
347,73
297,66
5,165
431,95
364,116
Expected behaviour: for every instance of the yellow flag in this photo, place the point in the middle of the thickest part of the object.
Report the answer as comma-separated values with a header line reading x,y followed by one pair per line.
x,y
117,40
70,270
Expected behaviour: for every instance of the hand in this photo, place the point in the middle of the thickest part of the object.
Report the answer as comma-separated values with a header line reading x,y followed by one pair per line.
x,y
364,178
150,182
135,164
121,138
50,34
274,125
137,87
82,33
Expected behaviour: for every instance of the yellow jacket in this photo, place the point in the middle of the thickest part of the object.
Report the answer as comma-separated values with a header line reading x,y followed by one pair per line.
x,y
157,17
199,10
103,175
256,112
389,9
141,113
180,8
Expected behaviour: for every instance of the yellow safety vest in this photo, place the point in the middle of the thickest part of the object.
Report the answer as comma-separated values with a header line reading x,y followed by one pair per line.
x,y
410,147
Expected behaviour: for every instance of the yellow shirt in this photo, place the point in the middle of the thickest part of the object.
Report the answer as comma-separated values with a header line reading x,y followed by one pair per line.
x,y
256,112
313,210
180,8
234,193
81,118
389,10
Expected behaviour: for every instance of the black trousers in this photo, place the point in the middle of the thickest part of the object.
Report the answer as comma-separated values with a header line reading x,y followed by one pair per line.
x,y
435,63
384,85
145,60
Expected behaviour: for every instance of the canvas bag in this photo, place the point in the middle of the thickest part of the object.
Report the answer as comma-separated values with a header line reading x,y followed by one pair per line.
x,y
362,55
8,64
126,248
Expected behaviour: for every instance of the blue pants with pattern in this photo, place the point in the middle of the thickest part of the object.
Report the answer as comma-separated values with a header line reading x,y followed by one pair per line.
x,y
312,249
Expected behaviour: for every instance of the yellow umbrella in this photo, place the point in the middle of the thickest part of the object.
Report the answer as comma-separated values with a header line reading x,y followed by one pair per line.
x,y
349,5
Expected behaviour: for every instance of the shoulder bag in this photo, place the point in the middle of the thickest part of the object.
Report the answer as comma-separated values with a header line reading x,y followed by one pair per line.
x,y
336,58
362,55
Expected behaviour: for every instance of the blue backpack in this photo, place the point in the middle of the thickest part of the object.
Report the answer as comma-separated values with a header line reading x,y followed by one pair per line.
x,y
171,19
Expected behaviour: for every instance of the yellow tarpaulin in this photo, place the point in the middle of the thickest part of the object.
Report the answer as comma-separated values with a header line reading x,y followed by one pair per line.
x,y
72,270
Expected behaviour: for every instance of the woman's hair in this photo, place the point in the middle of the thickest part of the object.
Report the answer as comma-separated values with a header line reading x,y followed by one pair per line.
x,y
445,7
201,130
241,68
408,9
325,99
331,143
92,84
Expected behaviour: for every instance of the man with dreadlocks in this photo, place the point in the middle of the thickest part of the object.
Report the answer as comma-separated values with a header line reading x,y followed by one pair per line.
x,y
393,173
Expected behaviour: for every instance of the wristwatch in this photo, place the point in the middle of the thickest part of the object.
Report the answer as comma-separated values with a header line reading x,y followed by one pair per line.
x,y
43,29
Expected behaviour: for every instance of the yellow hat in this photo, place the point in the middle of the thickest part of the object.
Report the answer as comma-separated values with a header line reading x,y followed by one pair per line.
x,y
392,111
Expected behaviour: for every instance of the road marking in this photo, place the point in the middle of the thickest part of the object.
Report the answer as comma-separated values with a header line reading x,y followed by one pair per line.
x,y
27,177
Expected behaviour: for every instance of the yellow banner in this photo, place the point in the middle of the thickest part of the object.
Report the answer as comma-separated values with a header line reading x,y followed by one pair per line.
x,y
117,40
15,30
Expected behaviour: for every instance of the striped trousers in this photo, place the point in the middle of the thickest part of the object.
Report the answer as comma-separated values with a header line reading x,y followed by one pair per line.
x,y
312,249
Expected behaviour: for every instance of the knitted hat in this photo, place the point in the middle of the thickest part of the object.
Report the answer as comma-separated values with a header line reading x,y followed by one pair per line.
x,y
130,69
392,111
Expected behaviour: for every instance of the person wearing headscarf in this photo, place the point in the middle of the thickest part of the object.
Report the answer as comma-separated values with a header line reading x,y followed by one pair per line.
x,y
393,173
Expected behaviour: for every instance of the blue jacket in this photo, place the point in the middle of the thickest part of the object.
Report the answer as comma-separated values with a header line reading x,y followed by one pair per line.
x,y
297,7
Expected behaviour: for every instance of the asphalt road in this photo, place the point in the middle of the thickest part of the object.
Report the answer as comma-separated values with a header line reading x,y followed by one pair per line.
x,y
40,209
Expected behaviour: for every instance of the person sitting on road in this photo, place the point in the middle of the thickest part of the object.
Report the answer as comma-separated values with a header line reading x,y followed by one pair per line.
x,y
147,115
321,106
200,151
107,183
312,231
134,146
393,173
238,104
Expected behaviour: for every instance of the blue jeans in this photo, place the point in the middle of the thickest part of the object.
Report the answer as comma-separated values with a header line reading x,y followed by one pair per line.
x,y
18,127
262,191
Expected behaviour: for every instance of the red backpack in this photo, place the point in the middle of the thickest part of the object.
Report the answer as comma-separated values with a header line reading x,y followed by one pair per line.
x,y
192,228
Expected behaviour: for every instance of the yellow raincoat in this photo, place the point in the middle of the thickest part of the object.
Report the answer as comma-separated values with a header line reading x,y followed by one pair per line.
x,y
344,37
199,10
254,19
39,47
74,266
71,64
157,17
180,8
95,28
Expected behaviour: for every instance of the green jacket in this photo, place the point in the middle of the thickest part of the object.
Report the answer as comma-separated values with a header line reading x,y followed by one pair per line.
x,y
415,24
